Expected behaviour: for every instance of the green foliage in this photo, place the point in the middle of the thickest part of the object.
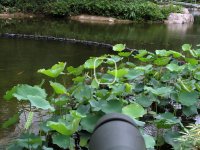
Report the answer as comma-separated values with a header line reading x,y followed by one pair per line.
x,y
160,89
123,9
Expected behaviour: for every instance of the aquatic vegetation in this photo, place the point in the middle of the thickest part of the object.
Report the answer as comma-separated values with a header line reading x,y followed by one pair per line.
x,y
159,91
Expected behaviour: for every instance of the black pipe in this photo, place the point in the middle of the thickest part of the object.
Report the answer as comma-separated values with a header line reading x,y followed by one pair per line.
x,y
52,38
116,132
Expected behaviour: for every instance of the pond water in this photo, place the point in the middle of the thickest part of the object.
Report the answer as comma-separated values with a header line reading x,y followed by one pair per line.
x,y
21,58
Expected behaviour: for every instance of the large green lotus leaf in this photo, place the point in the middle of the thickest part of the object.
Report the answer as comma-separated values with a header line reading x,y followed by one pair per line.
x,y
163,91
39,102
187,85
60,127
146,68
118,89
23,91
188,98
82,92
112,106
11,121
97,105
93,63
189,111
134,110
119,73
162,61
62,141
141,54
89,122
148,58
149,141
134,73
114,58
125,54
170,138
83,109
143,100
197,75
192,61
186,47
54,71
75,71
61,100
166,120
176,54
58,88
163,53
119,47
175,68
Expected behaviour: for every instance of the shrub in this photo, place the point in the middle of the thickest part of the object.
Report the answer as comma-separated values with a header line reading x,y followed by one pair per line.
x,y
59,8
157,90
166,10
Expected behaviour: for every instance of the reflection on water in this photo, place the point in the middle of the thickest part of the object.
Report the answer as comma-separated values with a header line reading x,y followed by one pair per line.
x,y
179,28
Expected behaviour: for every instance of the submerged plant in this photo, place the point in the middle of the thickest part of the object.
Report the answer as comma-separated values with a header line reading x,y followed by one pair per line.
x,y
159,91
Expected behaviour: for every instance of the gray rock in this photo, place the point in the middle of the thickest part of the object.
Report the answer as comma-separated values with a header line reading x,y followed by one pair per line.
x,y
180,18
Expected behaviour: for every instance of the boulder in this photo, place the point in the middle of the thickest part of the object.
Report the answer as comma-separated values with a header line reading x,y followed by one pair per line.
x,y
180,18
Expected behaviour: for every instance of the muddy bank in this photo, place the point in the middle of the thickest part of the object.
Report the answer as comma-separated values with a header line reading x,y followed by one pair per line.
x,y
17,15
99,19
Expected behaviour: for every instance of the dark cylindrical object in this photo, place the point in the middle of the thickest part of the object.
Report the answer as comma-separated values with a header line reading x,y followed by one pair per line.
x,y
116,132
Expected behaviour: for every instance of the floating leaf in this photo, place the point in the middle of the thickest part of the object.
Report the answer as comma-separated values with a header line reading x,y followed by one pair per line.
x,y
134,110
62,141
119,47
58,88
54,71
